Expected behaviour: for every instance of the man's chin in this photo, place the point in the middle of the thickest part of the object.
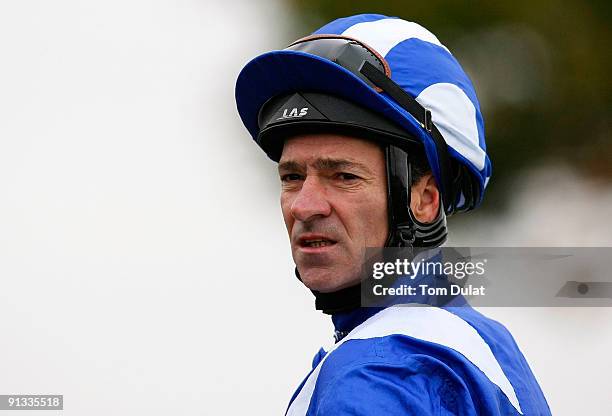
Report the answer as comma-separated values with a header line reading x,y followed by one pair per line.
x,y
327,280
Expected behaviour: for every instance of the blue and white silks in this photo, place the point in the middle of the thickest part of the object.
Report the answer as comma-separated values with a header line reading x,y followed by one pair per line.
x,y
419,360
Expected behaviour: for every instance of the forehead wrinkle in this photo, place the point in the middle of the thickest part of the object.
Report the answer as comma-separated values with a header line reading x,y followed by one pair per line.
x,y
324,163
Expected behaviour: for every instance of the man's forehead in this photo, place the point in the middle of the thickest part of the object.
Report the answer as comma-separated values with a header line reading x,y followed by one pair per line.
x,y
311,148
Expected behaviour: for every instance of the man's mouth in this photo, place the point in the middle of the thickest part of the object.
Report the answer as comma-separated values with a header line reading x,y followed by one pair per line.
x,y
315,242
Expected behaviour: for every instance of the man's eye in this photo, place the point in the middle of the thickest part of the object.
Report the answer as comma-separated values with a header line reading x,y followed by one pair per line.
x,y
345,176
290,177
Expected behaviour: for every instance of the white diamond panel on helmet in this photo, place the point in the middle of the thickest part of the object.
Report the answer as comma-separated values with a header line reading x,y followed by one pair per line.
x,y
455,116
384,34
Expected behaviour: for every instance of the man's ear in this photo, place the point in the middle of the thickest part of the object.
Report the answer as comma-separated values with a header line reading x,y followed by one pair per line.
x,y
425,199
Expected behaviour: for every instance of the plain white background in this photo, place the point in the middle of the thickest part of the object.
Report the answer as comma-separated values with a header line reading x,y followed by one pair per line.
x,y
144,266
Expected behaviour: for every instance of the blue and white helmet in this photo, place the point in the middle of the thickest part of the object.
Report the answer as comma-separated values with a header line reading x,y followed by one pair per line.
x,y
435,103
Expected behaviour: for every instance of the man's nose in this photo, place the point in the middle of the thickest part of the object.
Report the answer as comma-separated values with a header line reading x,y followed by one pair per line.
x,y
311,201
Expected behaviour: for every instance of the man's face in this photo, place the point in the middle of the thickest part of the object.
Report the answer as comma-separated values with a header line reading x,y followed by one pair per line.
x,y
334,204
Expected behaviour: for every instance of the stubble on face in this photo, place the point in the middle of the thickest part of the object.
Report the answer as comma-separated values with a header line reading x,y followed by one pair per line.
x,y
334,204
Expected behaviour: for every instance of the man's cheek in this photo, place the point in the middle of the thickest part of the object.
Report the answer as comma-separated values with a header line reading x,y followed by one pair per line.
x,y
375,227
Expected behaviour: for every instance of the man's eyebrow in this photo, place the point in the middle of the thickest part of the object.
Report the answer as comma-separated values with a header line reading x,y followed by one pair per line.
x,y
336,164
324,164
290,165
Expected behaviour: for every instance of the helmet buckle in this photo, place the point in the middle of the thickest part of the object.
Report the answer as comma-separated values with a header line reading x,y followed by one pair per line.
x,y
428,124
